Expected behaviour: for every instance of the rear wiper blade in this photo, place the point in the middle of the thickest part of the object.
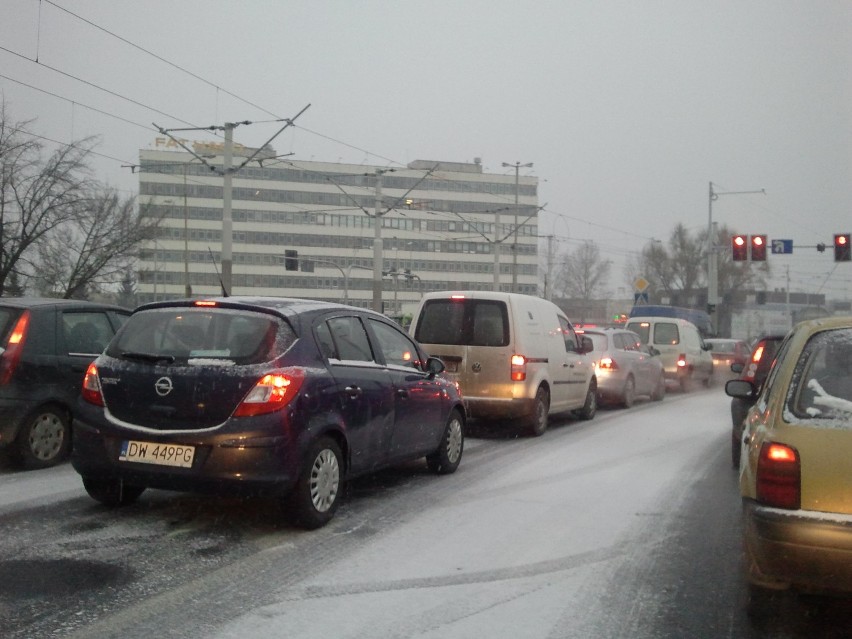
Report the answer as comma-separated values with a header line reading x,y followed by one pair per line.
x,y
149,357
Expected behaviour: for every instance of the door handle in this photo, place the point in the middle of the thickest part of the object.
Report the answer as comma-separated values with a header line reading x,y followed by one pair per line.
x,y
353,391
401,392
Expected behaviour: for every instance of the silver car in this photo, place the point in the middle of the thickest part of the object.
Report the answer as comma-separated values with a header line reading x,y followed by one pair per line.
x,y
625,368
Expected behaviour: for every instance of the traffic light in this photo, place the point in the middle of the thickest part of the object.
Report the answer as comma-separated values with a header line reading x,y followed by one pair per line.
x,y
291,260
842,247
739,248
758,248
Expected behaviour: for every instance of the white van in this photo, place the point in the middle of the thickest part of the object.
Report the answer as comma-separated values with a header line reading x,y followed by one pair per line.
x,y
686,358
514,356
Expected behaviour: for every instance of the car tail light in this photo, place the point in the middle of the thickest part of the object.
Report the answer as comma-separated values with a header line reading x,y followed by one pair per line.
x,y
92,387
272,392
519,368
14,348
681,360
751,370
607,364
779,481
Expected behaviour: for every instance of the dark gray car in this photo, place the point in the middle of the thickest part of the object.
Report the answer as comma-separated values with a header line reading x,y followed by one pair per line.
x,y
45,347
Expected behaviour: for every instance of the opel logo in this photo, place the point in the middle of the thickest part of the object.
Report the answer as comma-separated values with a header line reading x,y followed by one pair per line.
x,y
476,367
163,386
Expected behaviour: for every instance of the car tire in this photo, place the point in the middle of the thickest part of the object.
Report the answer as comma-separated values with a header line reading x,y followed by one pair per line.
x,y
317,493
687,383
45,437
446,459
590,407
628,393
659,391
112,492
537,423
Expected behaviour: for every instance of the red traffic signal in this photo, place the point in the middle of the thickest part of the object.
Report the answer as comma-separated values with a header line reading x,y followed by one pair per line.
x,y
758,248
739,248
842,247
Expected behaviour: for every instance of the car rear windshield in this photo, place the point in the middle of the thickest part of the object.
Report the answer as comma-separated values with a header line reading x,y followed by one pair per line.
x,y
202,335
723,347
821,388
463,322
598,339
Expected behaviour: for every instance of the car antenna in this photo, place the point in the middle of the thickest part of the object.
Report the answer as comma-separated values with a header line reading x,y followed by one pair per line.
x,y
221,283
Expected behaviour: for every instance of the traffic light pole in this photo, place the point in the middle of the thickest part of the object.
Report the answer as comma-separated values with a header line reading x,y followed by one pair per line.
x,y
713,256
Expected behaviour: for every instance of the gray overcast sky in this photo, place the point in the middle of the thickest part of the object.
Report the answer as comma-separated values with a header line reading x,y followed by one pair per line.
x,y
628,109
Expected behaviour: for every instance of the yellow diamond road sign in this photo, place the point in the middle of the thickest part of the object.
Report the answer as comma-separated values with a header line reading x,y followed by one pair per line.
x,y
640,284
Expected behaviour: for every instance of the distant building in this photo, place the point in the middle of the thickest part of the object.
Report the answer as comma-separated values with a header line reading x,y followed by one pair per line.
x,y
438,229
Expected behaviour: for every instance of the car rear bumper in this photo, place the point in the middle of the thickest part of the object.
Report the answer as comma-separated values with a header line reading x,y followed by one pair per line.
x,y
806,549
490,408
262,466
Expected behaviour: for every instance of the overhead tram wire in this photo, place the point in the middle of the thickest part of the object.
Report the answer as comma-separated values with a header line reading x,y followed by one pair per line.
x,y
163,60
191,74
95,86
80,104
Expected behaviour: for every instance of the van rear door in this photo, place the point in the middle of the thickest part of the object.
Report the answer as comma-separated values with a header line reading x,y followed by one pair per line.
x,y
456,329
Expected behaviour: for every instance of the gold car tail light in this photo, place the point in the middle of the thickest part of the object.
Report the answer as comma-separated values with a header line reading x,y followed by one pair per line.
x,y
779,476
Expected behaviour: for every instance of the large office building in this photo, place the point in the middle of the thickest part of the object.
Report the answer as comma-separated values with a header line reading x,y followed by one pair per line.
x,y
306,228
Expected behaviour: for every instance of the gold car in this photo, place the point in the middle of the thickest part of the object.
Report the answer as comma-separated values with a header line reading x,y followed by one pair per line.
x,y
796,467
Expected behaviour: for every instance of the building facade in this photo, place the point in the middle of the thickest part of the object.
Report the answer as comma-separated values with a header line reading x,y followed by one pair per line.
x,y
306,229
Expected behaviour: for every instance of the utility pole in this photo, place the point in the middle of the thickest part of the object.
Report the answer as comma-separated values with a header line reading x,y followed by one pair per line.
x,y
227,180
377,244
517,166
187,289
713,256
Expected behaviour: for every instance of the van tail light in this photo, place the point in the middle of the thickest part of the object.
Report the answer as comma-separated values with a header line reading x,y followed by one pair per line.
x,y
779,476
519,368
14,348
272,392
681,360
92,387
607,364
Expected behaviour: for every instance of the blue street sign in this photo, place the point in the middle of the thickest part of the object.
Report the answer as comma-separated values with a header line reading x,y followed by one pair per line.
x,y
780,247
640,297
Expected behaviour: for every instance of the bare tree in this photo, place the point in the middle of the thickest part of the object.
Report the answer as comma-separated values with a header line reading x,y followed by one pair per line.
x,y
94,247
583,273
678,267
37,194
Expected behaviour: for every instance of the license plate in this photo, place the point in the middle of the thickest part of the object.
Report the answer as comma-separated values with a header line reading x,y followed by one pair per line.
x,y
159,454
451,367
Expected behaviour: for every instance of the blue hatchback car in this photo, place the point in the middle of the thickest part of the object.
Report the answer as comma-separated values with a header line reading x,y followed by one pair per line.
x,y
288,397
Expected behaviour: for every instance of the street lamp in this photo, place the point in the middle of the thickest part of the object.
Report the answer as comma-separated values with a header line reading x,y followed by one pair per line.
x,y
517,166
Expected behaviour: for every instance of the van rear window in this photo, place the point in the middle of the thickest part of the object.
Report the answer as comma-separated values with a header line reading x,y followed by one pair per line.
x,y
666,333
463,322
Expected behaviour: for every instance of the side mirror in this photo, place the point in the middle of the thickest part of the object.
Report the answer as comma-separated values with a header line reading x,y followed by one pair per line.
x,y
586,344
741,389
434,366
